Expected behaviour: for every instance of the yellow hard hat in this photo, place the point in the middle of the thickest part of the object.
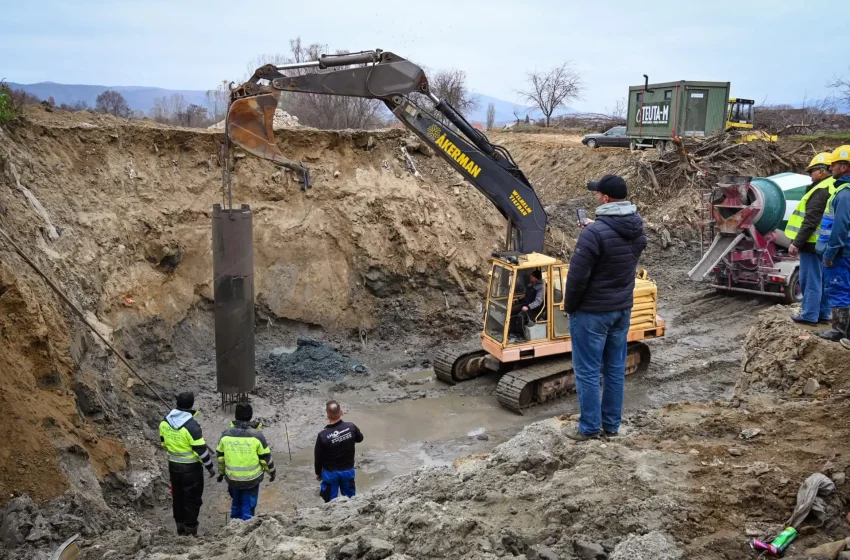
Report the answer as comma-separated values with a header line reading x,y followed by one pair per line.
x,y
841,153
823,158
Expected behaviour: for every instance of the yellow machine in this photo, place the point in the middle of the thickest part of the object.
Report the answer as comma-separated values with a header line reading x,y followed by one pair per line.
x,y
740,117
536,367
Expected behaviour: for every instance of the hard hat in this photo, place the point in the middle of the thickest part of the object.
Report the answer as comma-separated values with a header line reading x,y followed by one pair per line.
x,y
841,153
823,158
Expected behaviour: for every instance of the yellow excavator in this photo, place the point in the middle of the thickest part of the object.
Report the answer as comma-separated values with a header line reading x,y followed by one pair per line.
x,y
535,367
739,117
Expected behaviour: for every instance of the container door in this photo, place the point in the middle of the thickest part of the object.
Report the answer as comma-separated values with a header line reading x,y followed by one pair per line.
x,y
697,108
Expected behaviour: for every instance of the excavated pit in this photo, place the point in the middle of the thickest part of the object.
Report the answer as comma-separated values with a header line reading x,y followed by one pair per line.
x,y
381,268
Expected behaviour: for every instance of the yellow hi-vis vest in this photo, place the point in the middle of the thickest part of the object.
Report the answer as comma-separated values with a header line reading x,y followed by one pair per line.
x,y
795,222
243,455
181,436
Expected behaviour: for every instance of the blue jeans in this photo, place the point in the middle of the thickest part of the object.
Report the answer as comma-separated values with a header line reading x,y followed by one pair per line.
x,y
334,482
243,502
600,346
815,302
836,280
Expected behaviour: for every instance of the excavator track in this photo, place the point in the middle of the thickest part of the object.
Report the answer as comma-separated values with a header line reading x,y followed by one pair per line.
x,y
551,378
453,365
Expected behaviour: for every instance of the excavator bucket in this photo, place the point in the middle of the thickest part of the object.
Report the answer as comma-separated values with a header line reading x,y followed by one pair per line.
x,y
250,123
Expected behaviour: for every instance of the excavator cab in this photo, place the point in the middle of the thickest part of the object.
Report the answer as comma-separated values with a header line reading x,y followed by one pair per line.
x,y
740,113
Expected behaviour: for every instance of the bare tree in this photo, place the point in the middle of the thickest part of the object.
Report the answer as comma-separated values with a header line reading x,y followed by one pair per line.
x,y
491,116
193,115
815,116
516,114
159,110
450,86
112,102
842,84
552,89
217,100
321,111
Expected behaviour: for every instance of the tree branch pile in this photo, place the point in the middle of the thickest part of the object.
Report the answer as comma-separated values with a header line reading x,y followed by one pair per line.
x,y
701,163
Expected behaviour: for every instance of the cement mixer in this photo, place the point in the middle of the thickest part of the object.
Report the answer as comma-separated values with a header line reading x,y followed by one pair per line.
x,y
749,251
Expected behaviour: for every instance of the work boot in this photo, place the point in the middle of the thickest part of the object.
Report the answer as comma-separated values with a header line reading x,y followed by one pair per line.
x,y
799,319
181,529
575,435
840,325
192,531
845,342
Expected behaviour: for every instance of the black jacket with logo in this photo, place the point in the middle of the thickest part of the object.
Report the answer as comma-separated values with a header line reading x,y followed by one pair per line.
x,y
335,447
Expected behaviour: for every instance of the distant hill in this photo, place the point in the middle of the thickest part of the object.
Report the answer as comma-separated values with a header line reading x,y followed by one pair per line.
x,y
141,98
138,97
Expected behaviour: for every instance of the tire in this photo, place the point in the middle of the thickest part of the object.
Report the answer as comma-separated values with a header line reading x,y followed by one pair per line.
x,y
592,143
793,293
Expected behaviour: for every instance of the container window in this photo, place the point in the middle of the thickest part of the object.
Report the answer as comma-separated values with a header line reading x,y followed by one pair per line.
x,y
668,95
639,97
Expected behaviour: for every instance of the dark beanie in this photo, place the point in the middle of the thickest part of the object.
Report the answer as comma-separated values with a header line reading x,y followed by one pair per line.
x,y
185,400
244,412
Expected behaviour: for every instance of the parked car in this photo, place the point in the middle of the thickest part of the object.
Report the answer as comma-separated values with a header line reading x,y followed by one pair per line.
x,y
615,137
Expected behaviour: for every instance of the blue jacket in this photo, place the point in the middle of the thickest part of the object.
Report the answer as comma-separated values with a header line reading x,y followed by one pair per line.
x,y
601,277
840,209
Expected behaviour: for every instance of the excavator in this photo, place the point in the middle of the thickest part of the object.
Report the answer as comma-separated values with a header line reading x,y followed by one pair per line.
x,y
535,367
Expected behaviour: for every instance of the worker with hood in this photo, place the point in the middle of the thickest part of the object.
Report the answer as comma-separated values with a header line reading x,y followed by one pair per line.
x,y
802,230
834,245
244,457
598,299
181,436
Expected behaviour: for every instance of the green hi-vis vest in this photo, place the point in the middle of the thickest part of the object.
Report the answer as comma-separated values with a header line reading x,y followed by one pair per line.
x,y
243,454
795,222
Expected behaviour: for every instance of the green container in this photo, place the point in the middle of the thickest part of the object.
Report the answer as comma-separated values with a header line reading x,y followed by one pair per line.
x,y
683,108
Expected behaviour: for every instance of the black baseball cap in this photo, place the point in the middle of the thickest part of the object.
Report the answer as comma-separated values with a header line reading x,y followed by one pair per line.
x,y
611,185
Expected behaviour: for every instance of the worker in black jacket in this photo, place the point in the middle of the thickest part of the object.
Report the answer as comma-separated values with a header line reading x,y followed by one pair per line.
x,y
334,454
598,299
529,307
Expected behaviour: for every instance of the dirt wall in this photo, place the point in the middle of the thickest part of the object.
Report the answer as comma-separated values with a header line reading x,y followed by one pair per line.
x,y
122,222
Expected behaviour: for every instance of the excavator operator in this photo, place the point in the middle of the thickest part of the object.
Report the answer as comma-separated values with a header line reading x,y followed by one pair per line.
x,y
528,307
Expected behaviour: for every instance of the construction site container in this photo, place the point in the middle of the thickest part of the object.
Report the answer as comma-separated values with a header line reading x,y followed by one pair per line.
x,y
658,112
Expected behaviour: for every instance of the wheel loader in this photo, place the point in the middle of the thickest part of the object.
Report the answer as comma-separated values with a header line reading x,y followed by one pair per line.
x,y
534,364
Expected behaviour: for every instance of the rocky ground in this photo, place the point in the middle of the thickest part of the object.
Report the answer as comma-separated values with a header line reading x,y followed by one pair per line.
x,y
737,408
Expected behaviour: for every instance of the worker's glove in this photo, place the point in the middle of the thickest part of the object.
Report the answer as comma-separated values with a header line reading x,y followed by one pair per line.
x,y
220,477
272,476
211,470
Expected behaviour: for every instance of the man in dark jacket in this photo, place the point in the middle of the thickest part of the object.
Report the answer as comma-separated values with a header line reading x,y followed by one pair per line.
x,y
802,229
528,307
334,454
599,294
188,454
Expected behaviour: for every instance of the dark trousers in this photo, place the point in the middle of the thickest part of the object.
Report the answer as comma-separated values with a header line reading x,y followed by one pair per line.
x,y
187,489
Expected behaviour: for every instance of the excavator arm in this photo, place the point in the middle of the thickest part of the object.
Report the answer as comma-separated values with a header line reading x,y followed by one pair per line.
x,y
392,79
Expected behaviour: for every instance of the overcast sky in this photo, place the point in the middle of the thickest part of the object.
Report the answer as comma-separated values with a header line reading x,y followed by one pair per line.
x,y
782,50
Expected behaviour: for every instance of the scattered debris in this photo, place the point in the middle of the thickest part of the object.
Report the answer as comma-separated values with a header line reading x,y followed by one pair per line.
x,y
312,361
810,498
811,387
749,433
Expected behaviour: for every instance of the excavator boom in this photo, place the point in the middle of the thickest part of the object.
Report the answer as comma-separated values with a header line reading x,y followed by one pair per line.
x,y
393,80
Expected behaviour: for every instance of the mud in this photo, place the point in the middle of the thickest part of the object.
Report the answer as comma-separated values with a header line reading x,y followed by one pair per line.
x,y
312,361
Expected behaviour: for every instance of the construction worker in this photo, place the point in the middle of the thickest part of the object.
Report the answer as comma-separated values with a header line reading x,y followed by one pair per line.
x,y
180,435
334,454
598,298
243,459
834,246
802,229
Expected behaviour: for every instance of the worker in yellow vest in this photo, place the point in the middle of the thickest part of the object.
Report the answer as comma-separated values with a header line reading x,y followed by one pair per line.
x,y
802,230
180,435
244,457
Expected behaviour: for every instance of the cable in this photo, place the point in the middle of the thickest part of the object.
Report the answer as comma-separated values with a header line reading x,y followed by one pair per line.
x,y
79,313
